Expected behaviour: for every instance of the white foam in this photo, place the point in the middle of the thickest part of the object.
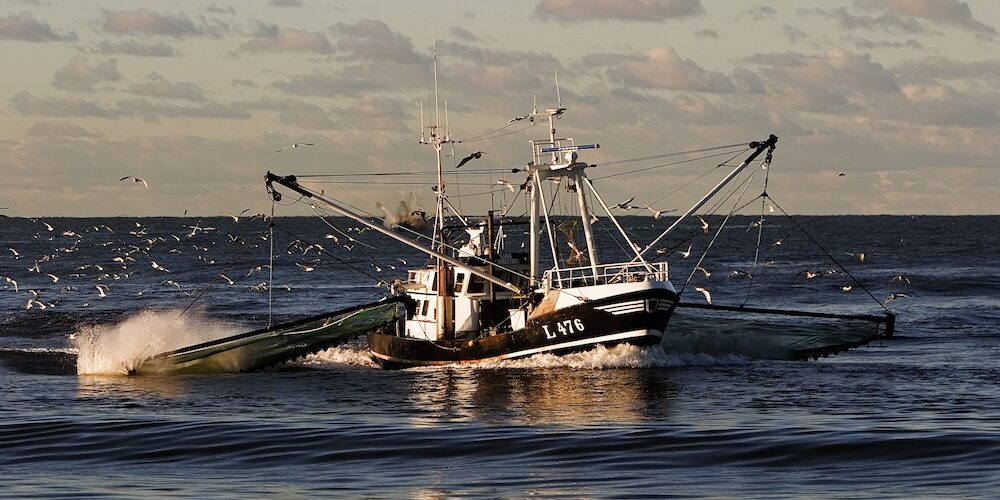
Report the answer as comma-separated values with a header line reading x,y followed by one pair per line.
x,y
621,356
353,353
118,349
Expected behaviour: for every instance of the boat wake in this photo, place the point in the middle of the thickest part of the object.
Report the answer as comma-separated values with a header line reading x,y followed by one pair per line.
x,y
356,353
621,356
119,348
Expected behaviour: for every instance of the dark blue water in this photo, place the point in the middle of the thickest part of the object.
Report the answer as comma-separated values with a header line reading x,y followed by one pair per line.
x,y
918,414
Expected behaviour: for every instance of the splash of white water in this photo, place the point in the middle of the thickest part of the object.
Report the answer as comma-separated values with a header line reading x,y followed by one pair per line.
x,y
353,353
119,349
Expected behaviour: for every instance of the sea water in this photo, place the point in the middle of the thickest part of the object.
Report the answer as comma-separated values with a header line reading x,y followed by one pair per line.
x,y
717,415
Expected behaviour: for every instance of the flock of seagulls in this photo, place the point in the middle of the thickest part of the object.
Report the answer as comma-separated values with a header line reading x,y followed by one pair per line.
x,y
118,256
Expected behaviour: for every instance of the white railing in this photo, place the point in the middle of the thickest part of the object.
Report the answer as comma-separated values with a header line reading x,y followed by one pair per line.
x,y
622,272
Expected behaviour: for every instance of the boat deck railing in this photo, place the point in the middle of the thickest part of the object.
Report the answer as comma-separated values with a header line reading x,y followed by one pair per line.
x,y
621,272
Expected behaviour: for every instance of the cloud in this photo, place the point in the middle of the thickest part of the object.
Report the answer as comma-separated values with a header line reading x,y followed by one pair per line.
x,y
356,79
942,68
271,38
61,128
463,34
27,104
794,34
159,87
146,22
215,9
887,22
26,28
134,48
707,33
833,82
237,82
948,12
370,39
759,12
866,44
663,68
628,10
294,112
285,3
152,111
78,74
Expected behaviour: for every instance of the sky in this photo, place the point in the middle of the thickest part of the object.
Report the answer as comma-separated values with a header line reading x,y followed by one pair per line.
x,y
902,97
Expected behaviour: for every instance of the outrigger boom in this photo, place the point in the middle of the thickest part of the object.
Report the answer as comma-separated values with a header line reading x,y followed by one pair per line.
x,y
290,182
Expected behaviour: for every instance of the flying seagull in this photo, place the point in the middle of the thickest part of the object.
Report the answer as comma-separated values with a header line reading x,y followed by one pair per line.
x,y
135,179
704,225
658,213
296,145
516,119
685,253
474,156
626,205
708,296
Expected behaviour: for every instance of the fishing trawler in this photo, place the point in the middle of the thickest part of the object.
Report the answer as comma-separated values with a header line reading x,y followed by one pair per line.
x,y
475,302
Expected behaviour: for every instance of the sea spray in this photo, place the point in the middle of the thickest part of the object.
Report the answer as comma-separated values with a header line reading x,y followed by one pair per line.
x,y
118,349
353,353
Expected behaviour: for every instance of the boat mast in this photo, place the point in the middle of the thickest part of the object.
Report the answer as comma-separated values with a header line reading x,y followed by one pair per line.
x,y
439,137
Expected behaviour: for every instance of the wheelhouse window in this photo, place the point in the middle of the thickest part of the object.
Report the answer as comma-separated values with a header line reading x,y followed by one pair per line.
x,y
476,285
459,281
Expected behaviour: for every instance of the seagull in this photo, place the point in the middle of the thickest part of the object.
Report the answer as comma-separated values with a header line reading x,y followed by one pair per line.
x,y
171,282
516,119
901,279
236,218
841,174
319,248
757,223
296,145
254,270
625,205
685,253
846,288
858,255
55,279
896,296
223,276
305,268
811,274
777,243
738,273
706,272
16,255
135,179
12,282
658,213
102,291
33,302
704,225
708,296
159,267
474,156
503,182
259,287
